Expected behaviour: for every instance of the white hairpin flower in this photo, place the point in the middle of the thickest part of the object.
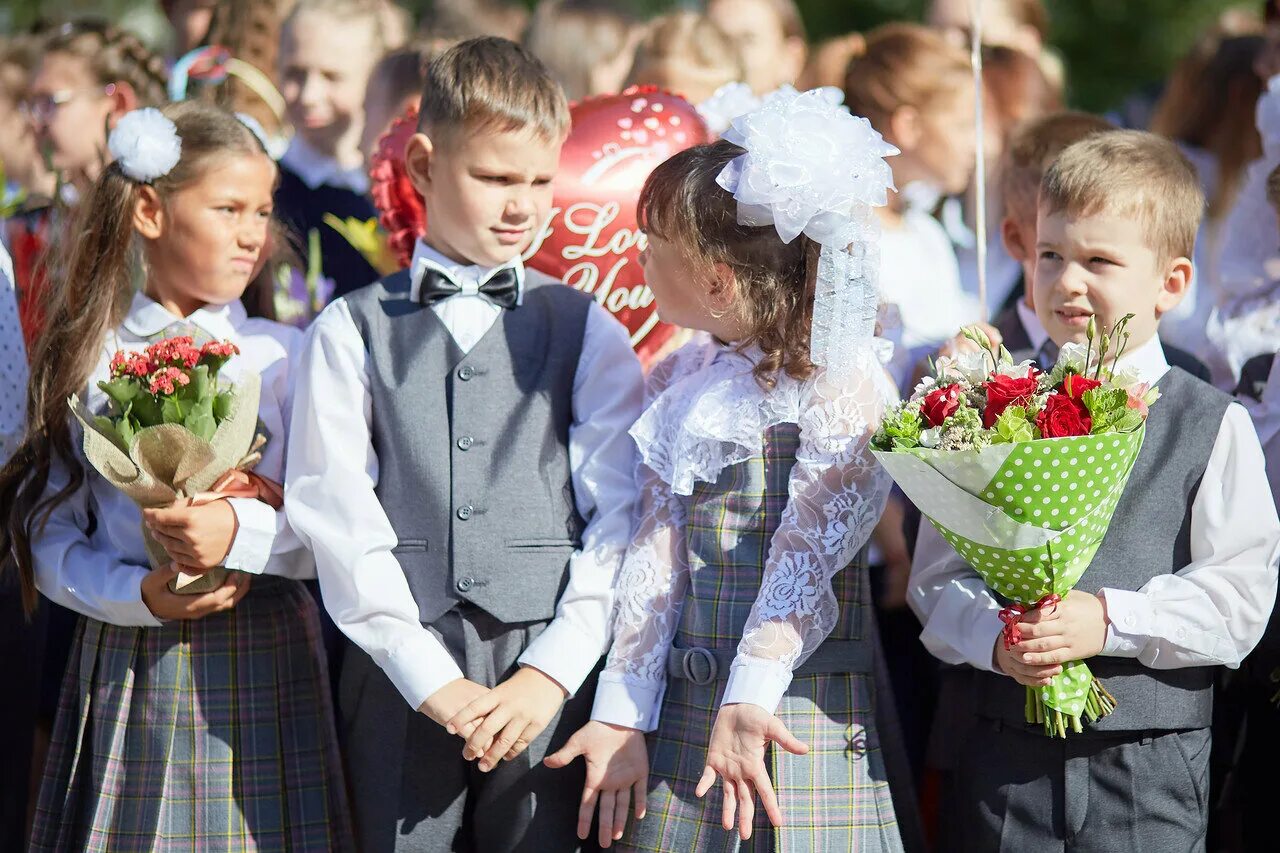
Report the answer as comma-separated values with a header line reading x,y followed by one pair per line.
x,y
727,103
146,144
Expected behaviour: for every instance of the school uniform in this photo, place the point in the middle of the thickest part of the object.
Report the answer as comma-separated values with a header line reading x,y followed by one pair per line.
x,y
464,477
312,185
741,530
1188,571
207,734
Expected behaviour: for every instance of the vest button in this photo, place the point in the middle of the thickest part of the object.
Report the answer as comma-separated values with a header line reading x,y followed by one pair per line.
x,y
465,442
464,512
466,372
465,584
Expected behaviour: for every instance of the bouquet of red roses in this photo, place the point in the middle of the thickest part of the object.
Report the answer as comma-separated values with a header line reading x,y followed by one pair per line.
x,y
170,432
1020,471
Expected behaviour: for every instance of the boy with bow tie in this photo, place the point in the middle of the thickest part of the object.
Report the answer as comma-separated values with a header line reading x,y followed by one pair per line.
x,y
465,478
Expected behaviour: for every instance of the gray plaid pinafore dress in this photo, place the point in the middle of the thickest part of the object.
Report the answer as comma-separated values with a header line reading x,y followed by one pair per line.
x,y
198,736
837,797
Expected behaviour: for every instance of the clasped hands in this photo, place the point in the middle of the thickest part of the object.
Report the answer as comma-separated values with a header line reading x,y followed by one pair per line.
x,y
196,538
498,724
1073,630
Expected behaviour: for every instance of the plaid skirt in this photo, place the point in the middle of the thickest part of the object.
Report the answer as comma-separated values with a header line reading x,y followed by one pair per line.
x,y
209,735
834,798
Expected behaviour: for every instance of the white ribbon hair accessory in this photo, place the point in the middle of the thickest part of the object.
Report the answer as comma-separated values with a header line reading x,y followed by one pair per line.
x,y
812,168
146,144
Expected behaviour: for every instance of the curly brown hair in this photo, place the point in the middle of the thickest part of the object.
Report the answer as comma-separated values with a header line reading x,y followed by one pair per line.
x,y
681,203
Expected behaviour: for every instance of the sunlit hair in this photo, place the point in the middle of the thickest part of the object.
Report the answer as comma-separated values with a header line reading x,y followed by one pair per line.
x,y
682,204
493,84
1031,150
1130,173
93,284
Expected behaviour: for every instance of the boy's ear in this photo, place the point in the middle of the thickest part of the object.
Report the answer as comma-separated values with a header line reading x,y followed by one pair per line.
x,y
1177,281
419,154
148,213
904,126
1014,242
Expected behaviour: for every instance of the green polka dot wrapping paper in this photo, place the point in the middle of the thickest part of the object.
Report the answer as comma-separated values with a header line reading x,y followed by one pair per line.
x,y
1029,518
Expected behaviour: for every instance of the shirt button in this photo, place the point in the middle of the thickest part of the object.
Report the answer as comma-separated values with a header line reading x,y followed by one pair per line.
x,y
465,442
465,584
464,512
466,372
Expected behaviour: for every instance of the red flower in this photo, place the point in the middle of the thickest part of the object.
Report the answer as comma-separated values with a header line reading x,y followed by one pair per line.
x,y
1005,391
176,352
226,349
400,207
164,379
940,404
1062,417
1074,386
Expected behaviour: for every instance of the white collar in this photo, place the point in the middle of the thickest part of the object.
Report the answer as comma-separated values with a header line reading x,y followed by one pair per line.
x,y
1035,330
317,170
463,275
147,318
1147,361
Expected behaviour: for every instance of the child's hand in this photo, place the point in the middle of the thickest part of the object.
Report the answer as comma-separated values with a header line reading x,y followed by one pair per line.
x,y
1009,661
617,767
446,701
503,722
738,742
1074,630
168,606
198,536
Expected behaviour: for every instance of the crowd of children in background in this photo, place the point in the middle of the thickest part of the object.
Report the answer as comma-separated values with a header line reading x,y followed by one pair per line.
x,y
280,106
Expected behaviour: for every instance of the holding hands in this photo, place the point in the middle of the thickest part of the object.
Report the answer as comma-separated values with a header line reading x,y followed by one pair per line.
x,y
1075,629
197,536
501,723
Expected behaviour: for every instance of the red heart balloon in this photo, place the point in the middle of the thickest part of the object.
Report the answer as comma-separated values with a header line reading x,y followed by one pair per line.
x,y
592,240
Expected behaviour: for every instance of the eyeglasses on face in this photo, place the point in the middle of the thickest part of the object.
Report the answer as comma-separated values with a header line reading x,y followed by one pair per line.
x,y
40,109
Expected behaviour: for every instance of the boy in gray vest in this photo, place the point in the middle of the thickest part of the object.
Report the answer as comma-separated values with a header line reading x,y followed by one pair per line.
x,y
460,465
1183,583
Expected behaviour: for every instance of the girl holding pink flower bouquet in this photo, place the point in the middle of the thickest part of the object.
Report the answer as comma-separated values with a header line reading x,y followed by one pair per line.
x,y
187,720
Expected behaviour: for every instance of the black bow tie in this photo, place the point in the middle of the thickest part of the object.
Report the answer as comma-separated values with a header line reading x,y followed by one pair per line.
x,y
502,288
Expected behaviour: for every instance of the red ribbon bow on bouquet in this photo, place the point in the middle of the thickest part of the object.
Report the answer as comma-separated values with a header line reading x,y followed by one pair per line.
x,y
1012,615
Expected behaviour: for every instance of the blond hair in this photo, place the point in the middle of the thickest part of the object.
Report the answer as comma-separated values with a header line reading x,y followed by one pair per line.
x,y
371,12
495,84
1130,173
572,37
903,65
689,43
1032,149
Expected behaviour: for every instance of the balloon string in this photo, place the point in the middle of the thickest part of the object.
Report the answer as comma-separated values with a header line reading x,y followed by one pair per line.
x,y
980,152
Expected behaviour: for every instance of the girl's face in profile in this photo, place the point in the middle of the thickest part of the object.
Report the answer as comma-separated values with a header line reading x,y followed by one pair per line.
x,y
689,294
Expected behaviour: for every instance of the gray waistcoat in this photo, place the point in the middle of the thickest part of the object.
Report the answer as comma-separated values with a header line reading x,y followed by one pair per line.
x,y
473,458
1149,535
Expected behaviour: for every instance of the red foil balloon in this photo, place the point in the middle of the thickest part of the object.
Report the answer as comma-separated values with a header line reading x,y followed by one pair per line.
x,y
400,208
591,239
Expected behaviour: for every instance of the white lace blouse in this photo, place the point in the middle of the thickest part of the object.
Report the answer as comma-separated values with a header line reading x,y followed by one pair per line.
x,y
705,412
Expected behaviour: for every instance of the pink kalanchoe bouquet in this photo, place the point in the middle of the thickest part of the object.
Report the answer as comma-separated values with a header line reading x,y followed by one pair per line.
x,y
1020,471
170,433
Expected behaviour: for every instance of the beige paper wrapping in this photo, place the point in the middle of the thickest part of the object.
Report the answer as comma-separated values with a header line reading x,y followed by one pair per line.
x,y
169,462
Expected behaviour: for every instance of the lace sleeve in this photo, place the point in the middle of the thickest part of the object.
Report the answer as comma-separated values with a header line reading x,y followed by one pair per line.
x,y
837,493
650,592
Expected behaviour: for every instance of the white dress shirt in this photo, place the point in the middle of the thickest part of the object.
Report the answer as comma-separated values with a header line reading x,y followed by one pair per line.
x,y
100,574
13,364
318,170
1036,332
334,470
1265,413
1212,611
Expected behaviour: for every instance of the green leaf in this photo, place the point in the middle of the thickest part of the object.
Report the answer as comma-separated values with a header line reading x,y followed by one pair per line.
x,y
125,427
146,410
121,390
172,411
1105,402
200,420
200,386
1129,421
222,406
1013,427
899,431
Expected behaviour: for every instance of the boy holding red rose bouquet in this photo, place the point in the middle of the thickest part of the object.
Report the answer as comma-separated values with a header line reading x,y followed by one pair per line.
x,y
1184,579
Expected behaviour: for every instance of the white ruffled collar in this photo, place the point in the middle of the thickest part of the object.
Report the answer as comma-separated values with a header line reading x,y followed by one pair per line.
x,y
712,414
